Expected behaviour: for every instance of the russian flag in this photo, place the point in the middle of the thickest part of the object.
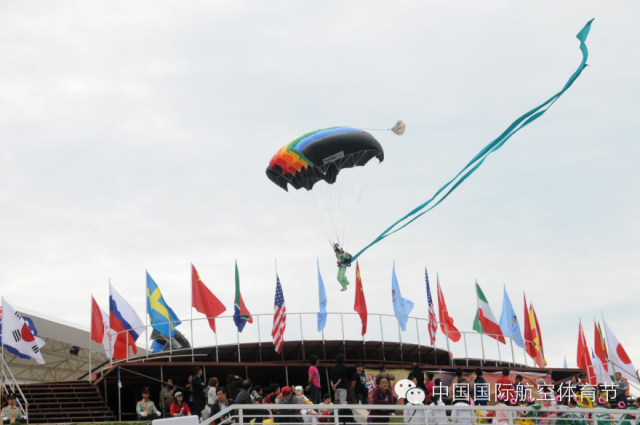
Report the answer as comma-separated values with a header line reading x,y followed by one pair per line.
x,y
123,318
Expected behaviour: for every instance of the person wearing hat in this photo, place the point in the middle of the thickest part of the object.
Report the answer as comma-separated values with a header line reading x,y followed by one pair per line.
x,y
145,407
12,413
359,385
179,406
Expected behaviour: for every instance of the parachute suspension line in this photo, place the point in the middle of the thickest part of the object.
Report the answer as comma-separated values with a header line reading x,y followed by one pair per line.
x,y
368,176
493,146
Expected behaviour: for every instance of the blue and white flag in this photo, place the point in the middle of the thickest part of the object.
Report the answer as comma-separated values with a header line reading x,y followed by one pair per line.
x,y
565,362
509,321
322,296
401,306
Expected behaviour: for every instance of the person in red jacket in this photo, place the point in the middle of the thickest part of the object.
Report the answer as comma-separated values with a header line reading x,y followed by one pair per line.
x,y
381,395
179,407
504,386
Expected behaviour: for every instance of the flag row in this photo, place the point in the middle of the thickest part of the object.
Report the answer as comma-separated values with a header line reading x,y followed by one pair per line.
x,y
121,327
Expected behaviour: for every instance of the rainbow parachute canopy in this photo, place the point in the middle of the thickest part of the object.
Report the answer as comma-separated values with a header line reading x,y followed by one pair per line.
x,y
320,155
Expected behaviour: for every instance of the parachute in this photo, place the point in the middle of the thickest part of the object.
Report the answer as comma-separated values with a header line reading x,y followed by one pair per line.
x,y
329,170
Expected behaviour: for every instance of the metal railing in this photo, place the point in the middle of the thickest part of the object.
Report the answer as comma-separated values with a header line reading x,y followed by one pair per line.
x,y
10,384
418,414
343,327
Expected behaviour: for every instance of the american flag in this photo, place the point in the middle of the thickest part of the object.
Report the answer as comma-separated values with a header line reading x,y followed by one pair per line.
x,y
279,318
433,322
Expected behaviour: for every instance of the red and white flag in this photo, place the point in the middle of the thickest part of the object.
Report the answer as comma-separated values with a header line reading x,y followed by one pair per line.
x,y
620,361
433,321
279,318
17,334
100,330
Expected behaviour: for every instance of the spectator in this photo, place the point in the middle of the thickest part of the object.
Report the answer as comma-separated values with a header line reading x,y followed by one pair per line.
x,y
275,392
166,395
621,389
13,413
480,389
315,391
548,418
340,380
437,417
234,384
504,386
519,388
359,385
290,392
145,407
416,416
461,399
502,416
382,395
179,407
244,397
212,392
289,396
418,375
198,391
256,392
571,417
222,403
188,393
455,381
574,382
325,414
428,384
384,374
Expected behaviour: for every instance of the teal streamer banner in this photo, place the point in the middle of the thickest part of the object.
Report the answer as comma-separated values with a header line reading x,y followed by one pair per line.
x,y
496,144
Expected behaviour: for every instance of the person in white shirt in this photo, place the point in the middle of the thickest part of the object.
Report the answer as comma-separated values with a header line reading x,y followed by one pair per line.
x,y
437,417
465,417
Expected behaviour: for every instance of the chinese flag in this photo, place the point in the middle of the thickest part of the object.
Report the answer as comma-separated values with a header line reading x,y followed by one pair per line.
x,y
97,325
203,300
361,305
446,322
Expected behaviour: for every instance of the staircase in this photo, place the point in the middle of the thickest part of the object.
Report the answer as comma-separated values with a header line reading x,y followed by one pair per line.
x,y
65,402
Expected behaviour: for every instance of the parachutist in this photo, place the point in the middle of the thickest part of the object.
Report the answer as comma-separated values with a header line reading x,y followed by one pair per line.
x,y
344,261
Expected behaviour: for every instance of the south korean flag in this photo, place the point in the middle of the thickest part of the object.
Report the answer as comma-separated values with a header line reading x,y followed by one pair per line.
x,y
16,334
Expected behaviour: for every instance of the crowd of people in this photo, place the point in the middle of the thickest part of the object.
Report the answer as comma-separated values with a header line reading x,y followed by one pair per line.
x,y
208,399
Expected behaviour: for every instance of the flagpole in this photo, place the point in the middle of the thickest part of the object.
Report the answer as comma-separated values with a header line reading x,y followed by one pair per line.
x,y
606,342
2,366
146,318
524,340
513,355
191,308
110,347
90,337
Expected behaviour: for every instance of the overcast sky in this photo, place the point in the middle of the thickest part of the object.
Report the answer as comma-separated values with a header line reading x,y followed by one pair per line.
x,y
135,136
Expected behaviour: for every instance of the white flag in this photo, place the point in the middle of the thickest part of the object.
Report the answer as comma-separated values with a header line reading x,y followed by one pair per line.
x,y
17,334
107,342
619,358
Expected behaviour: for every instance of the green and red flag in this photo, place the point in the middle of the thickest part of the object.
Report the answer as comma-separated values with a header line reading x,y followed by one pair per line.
x,y
485,322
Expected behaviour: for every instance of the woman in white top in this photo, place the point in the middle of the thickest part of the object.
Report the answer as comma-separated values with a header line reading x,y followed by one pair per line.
x,y
437,417
212,398
462,416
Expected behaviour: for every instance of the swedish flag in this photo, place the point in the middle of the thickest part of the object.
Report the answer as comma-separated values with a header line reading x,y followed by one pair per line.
x,y
163,319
